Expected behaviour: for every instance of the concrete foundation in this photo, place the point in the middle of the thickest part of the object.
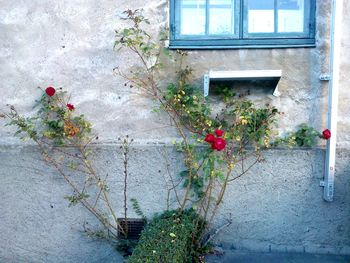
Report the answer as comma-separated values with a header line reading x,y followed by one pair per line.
x,y
277,207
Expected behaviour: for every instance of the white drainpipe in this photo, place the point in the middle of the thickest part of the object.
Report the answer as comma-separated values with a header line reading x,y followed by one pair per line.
x,y
333,93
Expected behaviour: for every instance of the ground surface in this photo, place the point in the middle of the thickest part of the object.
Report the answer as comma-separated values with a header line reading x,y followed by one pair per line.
x,y
242,257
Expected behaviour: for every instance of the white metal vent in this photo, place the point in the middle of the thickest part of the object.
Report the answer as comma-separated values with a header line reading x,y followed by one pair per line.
x,y
273,75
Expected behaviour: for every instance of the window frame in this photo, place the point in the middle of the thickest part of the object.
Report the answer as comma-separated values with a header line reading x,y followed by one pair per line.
x,y
244,40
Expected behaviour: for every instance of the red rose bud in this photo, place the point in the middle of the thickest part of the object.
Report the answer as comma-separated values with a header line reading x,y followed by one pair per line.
x,y
50,91
326,134
219,132
70,106
210,138
219,144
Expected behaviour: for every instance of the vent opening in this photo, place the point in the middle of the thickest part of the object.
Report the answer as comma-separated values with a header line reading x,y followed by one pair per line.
x,y
132,228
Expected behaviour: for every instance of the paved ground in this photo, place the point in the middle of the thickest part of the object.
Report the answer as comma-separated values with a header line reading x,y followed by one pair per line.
x,y
240,257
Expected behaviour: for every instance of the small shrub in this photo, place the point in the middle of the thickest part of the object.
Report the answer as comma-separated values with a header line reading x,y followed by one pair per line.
x,y
171,237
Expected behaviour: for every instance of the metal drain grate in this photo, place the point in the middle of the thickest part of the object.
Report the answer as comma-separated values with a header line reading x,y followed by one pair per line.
x,y
134,226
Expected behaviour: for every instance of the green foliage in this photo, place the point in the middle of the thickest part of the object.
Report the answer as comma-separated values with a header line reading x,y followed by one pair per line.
x,y
226,93
137,208
76,199
135,37
248,125
188,102
25,126
126,246
169,238
305,136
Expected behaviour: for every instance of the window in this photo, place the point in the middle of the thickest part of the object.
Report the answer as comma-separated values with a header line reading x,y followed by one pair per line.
x,y
206,24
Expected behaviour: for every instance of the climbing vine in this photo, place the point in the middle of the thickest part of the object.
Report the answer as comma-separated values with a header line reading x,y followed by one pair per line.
x,y
217,148
64,139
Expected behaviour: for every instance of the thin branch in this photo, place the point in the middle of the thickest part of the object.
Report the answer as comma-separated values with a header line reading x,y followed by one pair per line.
x,y
217,231
246,170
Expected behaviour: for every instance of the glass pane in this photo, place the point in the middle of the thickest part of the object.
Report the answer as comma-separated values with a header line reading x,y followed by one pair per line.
x,y
192,17
261,16
221,17
291,15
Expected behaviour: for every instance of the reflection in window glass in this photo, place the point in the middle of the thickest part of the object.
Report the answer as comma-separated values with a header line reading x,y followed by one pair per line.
x,y
291,15
221,17
261,16
193,17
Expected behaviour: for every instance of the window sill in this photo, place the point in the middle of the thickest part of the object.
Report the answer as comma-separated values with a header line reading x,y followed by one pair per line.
x,y
243,44
240,47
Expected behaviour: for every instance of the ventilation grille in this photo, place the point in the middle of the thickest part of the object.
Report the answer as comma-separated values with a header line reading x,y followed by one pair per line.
x,y
133,228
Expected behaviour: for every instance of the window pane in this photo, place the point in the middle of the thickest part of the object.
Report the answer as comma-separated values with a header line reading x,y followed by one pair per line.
x,y
261,16
221,17
192,17
291,15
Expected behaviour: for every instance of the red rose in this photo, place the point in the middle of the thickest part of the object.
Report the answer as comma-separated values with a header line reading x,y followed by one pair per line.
x,y
326,134
70,106
50,91
219,144
210,138
219,132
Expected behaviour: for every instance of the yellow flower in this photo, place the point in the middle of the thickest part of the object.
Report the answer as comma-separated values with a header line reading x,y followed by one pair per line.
x,y
266,142
47,134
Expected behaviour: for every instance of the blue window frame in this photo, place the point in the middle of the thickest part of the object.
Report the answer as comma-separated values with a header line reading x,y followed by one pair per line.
x,y
215,24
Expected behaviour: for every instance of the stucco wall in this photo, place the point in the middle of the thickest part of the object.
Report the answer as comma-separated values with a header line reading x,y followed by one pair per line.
x,y
65,43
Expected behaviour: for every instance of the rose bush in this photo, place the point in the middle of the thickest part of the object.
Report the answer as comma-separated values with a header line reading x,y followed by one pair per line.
x,y
64,139
248,129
